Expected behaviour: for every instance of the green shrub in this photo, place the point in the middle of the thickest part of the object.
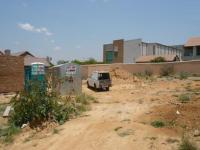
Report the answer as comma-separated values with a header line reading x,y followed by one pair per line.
x,y
34,106
7,133
184,98
187,145
158,60
166,70
158,124
39,105
183,75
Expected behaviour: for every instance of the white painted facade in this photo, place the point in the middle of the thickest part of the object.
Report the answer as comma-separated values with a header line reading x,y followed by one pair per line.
x,y
136,48
132,50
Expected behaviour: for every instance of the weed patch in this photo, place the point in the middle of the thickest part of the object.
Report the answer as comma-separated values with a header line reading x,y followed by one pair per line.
x,y
183,75
158,124
187,145
7,133
184,98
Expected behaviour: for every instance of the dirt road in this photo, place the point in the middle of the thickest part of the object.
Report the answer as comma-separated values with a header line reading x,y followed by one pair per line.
x,y
114,123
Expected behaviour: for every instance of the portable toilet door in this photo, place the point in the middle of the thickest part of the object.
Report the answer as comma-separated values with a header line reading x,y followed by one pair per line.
x,y
27,71
38,71
38,74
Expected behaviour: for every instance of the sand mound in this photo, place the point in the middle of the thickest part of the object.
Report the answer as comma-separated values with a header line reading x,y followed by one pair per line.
x,y
118,74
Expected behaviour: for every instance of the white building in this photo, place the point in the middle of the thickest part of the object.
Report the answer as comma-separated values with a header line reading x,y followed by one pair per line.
x,y
121,51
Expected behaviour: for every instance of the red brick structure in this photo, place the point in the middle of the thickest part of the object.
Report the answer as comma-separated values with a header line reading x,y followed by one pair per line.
x,y
11,74
119,47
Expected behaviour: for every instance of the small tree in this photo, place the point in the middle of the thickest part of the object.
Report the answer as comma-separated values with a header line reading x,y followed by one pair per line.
x,y
158,60
62,62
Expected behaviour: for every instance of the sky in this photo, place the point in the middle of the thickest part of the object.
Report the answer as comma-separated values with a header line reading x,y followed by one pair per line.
x,y
77,29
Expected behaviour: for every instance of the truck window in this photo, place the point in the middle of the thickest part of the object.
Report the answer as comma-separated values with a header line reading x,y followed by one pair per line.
x,y
104,76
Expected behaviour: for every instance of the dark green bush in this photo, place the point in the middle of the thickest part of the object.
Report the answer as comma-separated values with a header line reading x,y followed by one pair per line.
x,y
158,124
39,105
158,59
35,106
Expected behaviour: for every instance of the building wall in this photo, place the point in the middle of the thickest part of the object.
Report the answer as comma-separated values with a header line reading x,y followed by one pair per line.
x,y
129,51
187,66
194,55
118,46
106,48
11,74
132,50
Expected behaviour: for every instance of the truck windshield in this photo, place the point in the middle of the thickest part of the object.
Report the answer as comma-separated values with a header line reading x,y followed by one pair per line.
x,y
103,76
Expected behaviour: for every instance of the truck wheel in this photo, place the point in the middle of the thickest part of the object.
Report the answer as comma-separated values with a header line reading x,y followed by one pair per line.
x,y
88,86
107,89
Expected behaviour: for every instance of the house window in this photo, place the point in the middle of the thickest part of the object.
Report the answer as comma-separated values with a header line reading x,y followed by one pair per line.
x,y
188,51
198,50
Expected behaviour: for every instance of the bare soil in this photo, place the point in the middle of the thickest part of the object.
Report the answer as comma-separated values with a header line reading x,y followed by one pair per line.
x,y
122,119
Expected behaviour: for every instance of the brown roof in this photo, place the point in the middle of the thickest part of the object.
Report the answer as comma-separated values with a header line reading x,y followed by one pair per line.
x,y
195,41
149,58
29,60
22,53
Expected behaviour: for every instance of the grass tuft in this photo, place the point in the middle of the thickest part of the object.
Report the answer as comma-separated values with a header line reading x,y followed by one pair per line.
x,y
187,145
184,98
158,124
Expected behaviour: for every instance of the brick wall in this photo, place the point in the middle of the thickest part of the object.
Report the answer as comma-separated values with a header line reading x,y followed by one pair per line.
x,y
11,74
187,66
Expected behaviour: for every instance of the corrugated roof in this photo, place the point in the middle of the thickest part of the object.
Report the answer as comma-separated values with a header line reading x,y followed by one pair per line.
x,y
195,41
29,60
149,58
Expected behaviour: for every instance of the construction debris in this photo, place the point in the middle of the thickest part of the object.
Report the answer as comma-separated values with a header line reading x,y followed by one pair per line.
x,y
7,111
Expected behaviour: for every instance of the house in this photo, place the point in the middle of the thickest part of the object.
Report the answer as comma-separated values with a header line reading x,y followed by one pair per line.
x,y
121,51
150,58
23,54
192,49
28,57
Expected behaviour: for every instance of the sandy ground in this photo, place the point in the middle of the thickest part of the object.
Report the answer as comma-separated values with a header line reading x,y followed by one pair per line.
x,y
116,122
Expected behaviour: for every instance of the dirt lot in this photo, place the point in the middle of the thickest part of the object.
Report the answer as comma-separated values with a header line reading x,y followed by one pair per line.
x,y
122,119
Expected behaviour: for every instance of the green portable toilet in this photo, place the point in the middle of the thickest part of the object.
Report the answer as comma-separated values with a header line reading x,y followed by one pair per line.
x,y
35,73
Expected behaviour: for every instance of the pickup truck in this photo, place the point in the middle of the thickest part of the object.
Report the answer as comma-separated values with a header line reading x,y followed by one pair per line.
x,y
99,80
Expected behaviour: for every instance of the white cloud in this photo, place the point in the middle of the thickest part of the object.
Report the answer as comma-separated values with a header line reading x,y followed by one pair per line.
x,y
57,48
31,28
